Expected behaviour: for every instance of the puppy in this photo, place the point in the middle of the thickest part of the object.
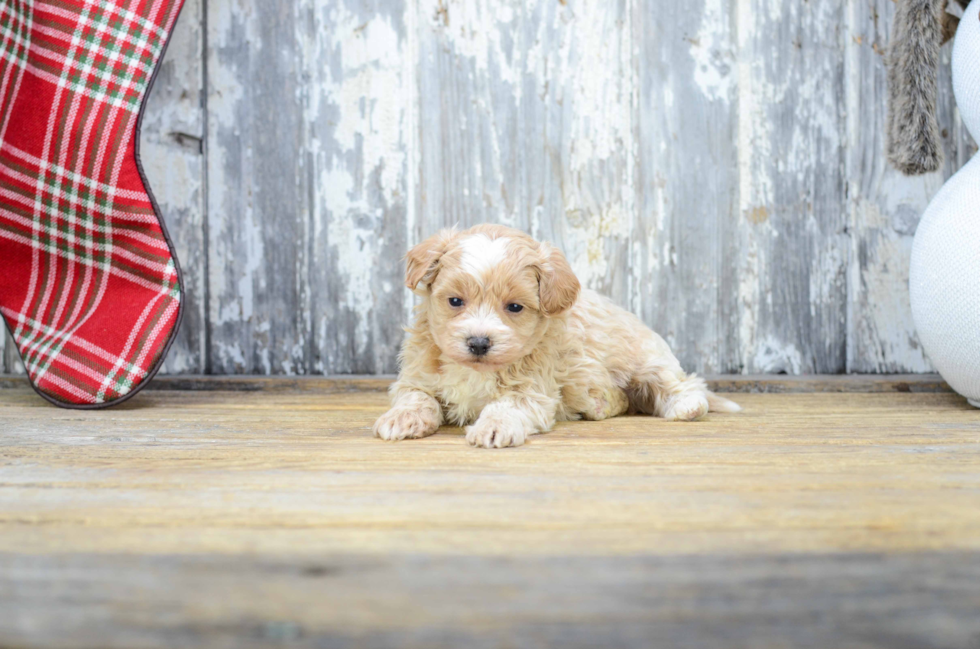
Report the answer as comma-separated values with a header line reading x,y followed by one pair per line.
x,y
506,342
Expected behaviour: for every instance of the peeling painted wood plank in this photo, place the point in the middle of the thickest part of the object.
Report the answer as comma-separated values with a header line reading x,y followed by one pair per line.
x,y
793,249
469,78
260,186
9,358
684,254
525,119
578,135
884,206
360,67
172,153
309,198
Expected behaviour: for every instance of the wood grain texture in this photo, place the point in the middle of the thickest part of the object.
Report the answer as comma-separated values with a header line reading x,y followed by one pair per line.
x,y
793,252
684,263
849,601
309,109
260,187
578,136
283,472
717,167
235,519
525,119
471,155
359,64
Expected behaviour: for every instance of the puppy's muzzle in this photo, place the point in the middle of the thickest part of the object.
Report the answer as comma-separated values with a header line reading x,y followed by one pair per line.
x,y
478,346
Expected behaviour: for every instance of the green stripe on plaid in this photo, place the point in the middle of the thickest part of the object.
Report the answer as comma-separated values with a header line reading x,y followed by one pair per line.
x,y
118,8
16,20
115,54
75,341
90,185
121,255
124,384
19,204
62,106
112,264
31,343
15,27
43,355
128,52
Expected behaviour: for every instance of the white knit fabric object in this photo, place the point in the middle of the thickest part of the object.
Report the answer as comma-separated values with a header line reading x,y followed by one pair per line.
x,y
944,277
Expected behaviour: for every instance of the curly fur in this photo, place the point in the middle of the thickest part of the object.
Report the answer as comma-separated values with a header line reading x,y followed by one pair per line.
x,y
569,354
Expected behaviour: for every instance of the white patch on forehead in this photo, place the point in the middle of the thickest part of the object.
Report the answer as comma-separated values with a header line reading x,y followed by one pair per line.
x,y
481,253
484,322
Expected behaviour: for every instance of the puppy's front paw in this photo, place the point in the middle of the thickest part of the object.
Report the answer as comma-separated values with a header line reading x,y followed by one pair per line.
x,y
496,431
687,407
403,423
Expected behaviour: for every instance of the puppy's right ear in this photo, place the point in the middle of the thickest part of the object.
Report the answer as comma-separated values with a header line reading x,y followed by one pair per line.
x,y
422,261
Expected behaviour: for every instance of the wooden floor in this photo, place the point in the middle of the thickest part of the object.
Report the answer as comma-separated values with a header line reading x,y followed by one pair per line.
x,y
269,516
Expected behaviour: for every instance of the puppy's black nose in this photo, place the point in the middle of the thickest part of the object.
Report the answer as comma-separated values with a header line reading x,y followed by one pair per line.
x,y
478,346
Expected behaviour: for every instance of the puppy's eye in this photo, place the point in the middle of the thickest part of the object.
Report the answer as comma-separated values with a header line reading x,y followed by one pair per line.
x,y
515,308
455,302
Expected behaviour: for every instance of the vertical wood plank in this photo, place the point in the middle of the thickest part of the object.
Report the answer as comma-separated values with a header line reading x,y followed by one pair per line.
x,y
10,362
578,134
793,250
172,152
469,80
884,206
260,187
684,254
525,117
359,68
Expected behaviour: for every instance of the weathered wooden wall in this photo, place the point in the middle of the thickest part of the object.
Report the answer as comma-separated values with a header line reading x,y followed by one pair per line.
x,y
714,165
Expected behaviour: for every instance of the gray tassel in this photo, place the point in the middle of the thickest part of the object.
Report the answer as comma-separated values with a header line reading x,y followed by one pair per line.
x,y
914,143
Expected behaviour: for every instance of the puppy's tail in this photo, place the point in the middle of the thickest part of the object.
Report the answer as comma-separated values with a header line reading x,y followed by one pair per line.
x,y
721,404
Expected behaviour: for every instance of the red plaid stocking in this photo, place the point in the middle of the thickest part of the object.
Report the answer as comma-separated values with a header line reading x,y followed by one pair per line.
x,y
89,284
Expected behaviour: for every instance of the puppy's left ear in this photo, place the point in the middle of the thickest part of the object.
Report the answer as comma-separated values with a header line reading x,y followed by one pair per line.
x,y
422,261
558,286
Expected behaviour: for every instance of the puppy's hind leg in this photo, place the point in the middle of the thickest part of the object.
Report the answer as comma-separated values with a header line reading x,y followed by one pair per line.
x,y
591,392
598,402
660,387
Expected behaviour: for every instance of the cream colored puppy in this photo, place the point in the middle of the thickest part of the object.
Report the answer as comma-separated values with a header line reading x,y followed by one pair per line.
x,y
505,342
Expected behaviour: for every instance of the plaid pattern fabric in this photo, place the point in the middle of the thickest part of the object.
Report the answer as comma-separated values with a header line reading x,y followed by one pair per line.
x,y
88,282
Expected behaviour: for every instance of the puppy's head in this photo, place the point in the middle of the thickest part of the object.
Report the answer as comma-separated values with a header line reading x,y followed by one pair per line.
x,y
489,292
